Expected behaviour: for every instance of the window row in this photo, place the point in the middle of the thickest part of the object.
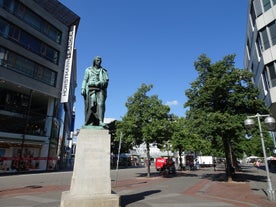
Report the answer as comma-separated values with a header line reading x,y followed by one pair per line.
x,y
267,37
28,41
268,79
258,7
27,67
267,4
25,14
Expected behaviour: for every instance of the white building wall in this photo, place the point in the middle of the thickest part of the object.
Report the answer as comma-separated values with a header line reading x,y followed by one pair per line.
x,y
253,60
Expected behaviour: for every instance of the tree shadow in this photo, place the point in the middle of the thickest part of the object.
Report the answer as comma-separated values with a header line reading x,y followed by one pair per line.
x,y
186,174
128,199
220,177
244,175
164,175
152,174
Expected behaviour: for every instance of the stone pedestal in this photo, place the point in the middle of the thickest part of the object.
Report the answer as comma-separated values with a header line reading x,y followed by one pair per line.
x,y
91,181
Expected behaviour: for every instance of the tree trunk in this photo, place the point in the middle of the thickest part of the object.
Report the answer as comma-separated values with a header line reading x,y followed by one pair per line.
x,y
148,160
235,162
228,163
180,159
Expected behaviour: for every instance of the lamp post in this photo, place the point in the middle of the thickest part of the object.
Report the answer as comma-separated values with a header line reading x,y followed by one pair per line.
x,y
270,124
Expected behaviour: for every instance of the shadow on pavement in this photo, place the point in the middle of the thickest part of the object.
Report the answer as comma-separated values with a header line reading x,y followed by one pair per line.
x,y
162,174
152,174
245,175
187,174
132,198
214,177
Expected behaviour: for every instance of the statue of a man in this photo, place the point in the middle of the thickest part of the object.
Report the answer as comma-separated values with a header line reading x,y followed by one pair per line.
x,y
94,91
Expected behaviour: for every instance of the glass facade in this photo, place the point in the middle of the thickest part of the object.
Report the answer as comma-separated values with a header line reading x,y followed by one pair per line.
x,y
272,30
25,114
271,74
31,18
266,4
28,41
24,66
32,119
266,38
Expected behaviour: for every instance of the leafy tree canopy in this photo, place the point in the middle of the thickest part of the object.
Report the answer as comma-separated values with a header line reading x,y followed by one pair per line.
x,y
218,102
146,120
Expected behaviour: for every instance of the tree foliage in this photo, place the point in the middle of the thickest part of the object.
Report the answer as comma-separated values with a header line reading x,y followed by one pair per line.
x,y
218,102
146,120
183,139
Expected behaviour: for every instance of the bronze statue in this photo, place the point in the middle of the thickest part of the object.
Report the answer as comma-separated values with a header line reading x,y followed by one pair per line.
x,y
94,91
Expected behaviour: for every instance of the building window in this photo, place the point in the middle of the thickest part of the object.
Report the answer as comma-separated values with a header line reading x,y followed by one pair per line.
x,y
258,45
265,84
46,76
7,5
28,41
272,74
32,19
252,14
25,14
257,7
51,32
266,79
252,68
264,38
248,44
266,5
272,30
14,33
27,67
4,29
267,37
262,87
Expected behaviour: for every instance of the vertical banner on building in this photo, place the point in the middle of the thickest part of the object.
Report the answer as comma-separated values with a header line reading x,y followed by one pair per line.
x,y
68,65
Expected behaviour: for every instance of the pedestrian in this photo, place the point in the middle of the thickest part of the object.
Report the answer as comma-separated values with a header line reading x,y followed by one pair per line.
x,y
215,165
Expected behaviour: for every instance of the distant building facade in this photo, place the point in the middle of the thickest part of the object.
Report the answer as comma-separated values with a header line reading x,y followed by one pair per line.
x,y
260,49
37,83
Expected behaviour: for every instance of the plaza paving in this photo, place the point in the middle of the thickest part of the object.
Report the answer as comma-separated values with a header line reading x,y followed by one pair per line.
x,y
199,188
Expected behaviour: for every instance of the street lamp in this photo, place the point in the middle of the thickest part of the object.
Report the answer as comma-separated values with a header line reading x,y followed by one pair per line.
x,y
270,125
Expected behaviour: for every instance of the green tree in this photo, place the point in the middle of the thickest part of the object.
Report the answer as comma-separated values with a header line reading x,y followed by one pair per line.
x,y
146,120
183,139
251,144
219,101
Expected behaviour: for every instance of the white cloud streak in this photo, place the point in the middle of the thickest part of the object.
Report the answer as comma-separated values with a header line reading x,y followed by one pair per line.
x,y
172,103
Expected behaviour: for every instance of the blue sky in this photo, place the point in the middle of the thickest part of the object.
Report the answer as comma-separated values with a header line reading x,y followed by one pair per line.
x,y
154,42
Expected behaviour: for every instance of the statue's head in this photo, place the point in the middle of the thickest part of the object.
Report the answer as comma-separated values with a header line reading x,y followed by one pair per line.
x,y
97,58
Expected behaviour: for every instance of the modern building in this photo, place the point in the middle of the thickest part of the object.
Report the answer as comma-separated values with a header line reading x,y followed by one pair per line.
x,y
37,83
260,49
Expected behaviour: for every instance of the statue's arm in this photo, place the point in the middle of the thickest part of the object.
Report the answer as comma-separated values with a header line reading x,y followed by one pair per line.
x,y
104,80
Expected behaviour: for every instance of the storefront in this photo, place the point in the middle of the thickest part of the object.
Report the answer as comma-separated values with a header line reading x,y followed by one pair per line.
x,y
32,158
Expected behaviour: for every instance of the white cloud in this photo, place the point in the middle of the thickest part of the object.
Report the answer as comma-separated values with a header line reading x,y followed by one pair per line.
x,y
172,103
